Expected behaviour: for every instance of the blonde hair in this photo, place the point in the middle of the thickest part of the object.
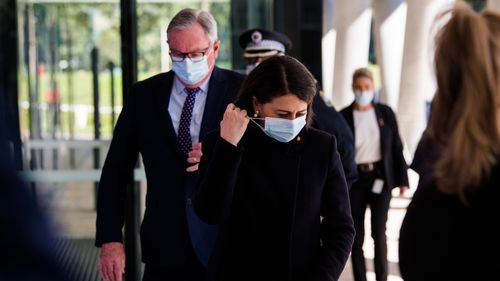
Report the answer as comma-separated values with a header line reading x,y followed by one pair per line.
x,y
361,72
464,116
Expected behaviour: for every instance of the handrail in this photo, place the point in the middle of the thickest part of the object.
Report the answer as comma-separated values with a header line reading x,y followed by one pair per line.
x,y
71,175
52,144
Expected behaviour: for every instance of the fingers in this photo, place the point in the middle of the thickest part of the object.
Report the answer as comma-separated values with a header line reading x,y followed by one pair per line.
x,y
112,261
193,168
194,156
112,271
122,265
244,113
231,108
101,271
234,124
117,272
196,146
105,269
193,160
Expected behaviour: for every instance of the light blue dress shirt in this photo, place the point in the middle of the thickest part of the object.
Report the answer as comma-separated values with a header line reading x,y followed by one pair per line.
x,y
177,99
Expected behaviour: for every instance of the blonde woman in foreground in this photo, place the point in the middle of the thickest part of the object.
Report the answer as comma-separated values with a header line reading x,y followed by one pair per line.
x,y
451,229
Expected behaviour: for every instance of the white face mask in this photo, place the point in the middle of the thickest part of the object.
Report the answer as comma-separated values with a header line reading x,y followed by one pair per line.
x,y
281,129
363,98
250,67
191,72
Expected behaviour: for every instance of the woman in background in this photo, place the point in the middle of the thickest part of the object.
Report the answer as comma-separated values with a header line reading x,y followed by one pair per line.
x,y
381,167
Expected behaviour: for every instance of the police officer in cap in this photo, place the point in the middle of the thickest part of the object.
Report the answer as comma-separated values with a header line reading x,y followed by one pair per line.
x,y
260,44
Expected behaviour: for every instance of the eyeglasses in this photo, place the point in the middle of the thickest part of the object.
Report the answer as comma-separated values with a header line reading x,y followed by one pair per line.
x,y
194,56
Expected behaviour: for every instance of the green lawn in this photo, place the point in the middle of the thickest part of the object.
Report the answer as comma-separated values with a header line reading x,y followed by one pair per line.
x,y
82,95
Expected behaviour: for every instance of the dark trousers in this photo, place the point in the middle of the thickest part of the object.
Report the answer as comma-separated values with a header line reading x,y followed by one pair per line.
x,y
191,271
361,197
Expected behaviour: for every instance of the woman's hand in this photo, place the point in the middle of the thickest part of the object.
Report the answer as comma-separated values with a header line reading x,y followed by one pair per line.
x,y
234,124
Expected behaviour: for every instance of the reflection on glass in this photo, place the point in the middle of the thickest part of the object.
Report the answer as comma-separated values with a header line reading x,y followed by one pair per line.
x,y
56,83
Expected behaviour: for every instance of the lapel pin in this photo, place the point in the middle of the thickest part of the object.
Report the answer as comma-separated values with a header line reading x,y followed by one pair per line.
x,y
381,122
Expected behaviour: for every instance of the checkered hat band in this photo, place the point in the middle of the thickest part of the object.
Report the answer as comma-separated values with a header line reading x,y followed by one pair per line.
x,y
265,45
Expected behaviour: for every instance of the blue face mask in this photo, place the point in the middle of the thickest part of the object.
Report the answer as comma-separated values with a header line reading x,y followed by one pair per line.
x,y
191,72
282,130
363,98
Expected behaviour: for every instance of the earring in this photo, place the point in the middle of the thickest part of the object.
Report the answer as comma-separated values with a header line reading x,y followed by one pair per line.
x,y
256,114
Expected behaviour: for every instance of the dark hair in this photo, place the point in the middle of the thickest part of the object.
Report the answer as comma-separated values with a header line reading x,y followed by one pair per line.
x,y
275,77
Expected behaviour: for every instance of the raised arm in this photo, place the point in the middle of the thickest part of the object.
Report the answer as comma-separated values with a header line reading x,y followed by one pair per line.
x,y
219,166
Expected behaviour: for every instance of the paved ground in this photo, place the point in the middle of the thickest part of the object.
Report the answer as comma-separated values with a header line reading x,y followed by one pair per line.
x,y
396,215
80,224
74,215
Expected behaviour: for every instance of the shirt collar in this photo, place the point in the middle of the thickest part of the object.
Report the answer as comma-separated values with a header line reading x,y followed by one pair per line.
x,y
179,87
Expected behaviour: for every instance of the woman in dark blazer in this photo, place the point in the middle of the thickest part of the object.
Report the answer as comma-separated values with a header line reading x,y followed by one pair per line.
x,y
275,185
381,167
451,228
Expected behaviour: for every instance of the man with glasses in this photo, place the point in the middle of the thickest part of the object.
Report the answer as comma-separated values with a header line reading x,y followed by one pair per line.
x,y
165,118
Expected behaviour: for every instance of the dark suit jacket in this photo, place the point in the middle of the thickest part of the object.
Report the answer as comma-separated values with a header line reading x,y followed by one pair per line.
x,y
145,127
326,118
443,239
395,167
268,197
426,154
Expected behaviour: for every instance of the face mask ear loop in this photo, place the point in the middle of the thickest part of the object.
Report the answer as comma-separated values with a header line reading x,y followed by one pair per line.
x,y
253,120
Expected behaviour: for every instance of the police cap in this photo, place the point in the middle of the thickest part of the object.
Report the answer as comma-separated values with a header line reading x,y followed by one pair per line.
x,y
262,43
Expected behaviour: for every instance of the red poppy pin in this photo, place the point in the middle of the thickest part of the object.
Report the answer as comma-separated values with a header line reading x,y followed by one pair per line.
x,y
381,122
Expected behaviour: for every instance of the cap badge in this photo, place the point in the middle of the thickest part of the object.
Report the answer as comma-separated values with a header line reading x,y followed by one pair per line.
x,y
256,37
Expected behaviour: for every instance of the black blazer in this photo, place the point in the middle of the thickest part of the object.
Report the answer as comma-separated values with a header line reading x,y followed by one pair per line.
x,y
327,118
395,166
144,126
268,197
426,154
443,239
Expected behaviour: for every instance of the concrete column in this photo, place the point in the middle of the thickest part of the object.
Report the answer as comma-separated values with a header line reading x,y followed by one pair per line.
x,y
352,20
493,4
389,19
417,76
328,48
